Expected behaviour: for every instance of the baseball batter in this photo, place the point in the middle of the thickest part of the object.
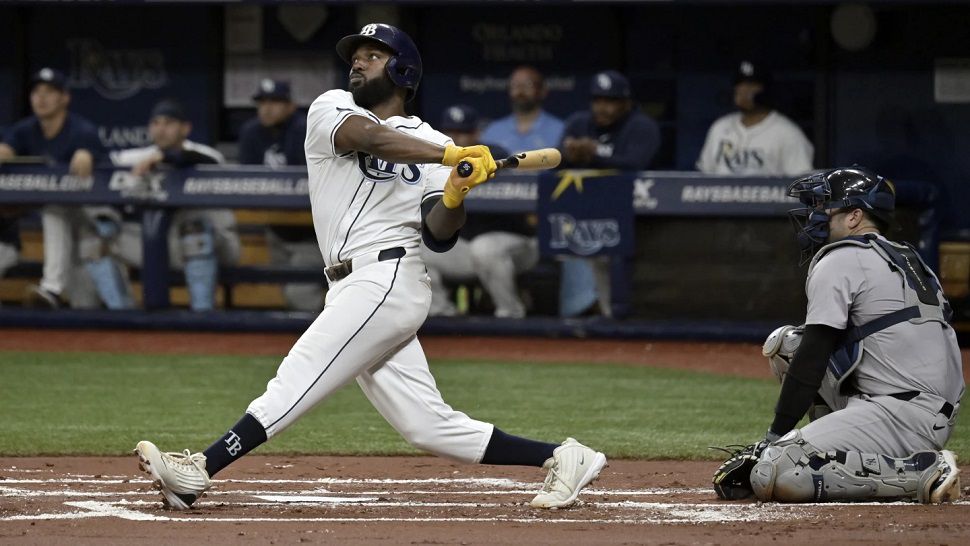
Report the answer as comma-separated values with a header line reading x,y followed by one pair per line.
x,y
876,357
757,139
377,187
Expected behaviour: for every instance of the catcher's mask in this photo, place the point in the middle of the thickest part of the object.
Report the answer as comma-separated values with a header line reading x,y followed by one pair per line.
x,y
837,189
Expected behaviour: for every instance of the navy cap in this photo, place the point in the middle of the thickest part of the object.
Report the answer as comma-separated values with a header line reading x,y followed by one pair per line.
x,y
169,108
272,89
611,84
748,71
49,76
459,118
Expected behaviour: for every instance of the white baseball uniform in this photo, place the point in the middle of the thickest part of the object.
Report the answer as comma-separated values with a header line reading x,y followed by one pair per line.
x,y
367,329
774,146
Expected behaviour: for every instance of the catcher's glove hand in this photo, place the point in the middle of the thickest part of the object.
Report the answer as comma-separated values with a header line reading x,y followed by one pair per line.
x,y
732,480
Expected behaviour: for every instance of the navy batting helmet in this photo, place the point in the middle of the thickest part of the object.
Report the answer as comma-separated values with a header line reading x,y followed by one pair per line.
x,y
404,68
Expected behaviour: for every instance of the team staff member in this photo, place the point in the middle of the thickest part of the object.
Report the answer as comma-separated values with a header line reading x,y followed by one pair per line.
x,y
610,135
757,139
377,187
198,239
274,138
62,138
877,351
528,127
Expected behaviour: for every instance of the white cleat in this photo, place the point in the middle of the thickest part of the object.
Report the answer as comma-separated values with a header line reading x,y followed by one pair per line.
x,y
181,477
946,487
572,467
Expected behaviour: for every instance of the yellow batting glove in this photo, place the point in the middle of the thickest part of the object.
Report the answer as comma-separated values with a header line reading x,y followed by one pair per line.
x,y
454,154
458,186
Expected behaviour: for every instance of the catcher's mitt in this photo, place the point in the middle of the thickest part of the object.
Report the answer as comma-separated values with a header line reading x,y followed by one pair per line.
x,y
732,480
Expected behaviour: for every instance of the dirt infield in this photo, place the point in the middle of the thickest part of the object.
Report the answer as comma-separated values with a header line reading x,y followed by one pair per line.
x,y
425,500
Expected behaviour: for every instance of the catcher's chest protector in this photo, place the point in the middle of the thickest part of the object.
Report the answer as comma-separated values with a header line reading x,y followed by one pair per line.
x,y
922,294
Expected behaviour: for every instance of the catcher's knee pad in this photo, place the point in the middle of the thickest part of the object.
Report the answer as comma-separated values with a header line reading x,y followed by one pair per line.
x,y
110,282
201,267
780,473
780,347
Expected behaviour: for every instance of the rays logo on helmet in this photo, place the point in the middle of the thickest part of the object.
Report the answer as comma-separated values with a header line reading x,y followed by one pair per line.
x,y
368,30
379,170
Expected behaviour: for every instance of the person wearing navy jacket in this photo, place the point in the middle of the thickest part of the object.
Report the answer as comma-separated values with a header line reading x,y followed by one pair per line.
x,y
610,135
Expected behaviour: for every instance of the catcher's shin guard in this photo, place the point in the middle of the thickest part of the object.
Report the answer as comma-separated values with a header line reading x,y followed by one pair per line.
x,y
792,470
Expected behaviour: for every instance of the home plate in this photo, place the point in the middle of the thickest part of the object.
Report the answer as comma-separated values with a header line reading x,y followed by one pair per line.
x,y
317,499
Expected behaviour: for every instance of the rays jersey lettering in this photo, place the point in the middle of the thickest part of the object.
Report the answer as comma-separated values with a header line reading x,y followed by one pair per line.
x,y
379,170
773,147
362,204
740,160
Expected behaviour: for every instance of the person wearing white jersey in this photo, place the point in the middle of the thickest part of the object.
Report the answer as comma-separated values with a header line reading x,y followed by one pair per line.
x,y
378,186
757,139
876,358
198,239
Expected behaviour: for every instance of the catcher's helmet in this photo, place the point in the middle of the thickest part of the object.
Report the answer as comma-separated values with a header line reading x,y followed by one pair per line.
x,y
404,68
842,188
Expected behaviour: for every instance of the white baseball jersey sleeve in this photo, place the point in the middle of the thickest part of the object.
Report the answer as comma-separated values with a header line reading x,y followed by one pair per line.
x,y
773,147
362,204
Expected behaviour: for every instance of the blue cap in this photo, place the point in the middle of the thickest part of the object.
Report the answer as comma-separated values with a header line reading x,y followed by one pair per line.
x,y
169,108
459,117
611,84
49,76
272,89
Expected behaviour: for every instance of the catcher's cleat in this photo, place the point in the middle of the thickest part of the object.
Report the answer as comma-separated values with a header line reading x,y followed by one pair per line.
x,y
572,467
181,477
946,487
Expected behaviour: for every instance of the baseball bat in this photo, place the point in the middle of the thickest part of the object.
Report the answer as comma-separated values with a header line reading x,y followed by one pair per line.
x,y
544,158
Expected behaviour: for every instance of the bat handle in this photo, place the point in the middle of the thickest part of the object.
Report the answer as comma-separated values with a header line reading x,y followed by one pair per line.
x,y
465,169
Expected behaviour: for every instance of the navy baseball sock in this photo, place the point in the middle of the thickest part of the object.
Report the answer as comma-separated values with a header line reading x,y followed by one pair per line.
x,y
507,449
242,438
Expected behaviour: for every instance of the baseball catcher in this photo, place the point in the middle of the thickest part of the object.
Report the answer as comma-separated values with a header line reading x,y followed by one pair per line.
x,y
876,366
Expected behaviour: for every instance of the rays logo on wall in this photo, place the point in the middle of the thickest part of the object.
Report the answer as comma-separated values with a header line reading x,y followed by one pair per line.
x,y
379,170
115,74
583,237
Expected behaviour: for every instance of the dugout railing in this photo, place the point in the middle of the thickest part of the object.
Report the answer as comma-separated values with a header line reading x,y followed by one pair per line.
x,y
686,200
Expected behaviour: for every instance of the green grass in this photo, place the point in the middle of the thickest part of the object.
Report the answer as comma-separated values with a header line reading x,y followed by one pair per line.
x,y
102,404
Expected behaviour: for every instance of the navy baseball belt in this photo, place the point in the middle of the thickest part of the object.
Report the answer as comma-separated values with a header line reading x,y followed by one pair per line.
x,y
946,410
340,270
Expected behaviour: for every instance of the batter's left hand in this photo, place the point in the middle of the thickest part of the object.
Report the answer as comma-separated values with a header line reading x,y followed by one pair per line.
x,y
457,186
454,155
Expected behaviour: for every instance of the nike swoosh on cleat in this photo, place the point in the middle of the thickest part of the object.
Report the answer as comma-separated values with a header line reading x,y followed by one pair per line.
x,y
582,458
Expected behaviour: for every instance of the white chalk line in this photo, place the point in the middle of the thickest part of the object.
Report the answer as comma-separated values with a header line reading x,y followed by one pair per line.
x,y
669,513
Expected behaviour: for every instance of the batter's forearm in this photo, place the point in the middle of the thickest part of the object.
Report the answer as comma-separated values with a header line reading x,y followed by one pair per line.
x,y
363,135
6,152
445,222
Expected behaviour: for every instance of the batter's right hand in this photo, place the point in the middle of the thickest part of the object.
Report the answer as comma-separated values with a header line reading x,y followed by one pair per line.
x,y
454,154
458,186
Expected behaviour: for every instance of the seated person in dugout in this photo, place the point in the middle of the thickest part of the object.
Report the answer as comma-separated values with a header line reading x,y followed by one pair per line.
x,y
876,366
198,240
59,137
274,138
492,249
